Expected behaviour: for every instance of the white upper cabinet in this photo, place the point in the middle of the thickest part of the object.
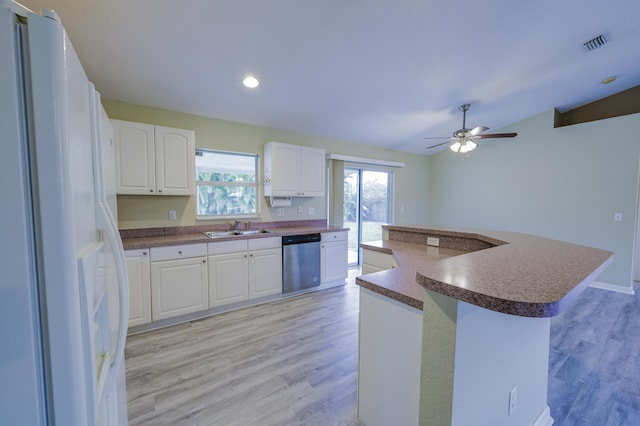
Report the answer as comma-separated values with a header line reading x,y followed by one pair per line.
x,y
293,171
154,160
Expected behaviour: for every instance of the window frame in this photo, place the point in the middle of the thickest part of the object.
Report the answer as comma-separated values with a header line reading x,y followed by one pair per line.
x,y
256,185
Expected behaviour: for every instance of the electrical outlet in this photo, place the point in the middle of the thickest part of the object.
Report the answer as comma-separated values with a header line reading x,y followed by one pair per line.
x,y
172,215
299,209
280,212
311,211
513,396
433,241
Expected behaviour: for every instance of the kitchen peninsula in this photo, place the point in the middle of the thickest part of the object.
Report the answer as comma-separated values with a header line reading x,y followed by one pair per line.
x,y
454,328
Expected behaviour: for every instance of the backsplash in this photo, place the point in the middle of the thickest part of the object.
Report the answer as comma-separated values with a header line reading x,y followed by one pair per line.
x,y
176,230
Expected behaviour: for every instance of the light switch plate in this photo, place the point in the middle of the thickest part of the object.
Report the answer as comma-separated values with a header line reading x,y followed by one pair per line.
x,y
433,241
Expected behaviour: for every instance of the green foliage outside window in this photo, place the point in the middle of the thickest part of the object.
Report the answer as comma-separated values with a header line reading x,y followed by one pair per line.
x,y
226,184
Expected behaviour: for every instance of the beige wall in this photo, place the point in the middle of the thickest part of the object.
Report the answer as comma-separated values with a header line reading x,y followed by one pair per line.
x,y
152,211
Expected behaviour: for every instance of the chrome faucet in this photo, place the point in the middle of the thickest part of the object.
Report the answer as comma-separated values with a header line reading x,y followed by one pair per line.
x,y
249,225
235,225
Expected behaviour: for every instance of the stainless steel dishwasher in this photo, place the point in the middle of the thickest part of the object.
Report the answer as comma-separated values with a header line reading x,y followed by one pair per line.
x,y
300,262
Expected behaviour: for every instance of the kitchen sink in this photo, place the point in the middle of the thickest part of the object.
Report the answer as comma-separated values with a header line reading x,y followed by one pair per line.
x,y
253,231
217,234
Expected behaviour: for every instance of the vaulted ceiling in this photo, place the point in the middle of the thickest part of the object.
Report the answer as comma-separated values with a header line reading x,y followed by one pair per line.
x,y
380,72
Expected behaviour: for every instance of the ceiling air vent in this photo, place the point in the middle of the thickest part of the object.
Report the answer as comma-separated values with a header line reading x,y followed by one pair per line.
x,y
595,43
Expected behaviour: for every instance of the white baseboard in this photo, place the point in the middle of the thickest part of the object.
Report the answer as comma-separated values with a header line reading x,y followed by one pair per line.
x,y
544,419
613,287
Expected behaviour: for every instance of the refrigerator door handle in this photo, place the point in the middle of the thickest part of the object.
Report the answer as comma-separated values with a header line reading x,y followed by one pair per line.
x,y
106,223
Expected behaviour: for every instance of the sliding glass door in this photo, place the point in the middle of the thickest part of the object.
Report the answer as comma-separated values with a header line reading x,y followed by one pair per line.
x,y
367,198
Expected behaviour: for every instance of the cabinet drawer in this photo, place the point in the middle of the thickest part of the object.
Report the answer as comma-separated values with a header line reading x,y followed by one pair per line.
x,y
333,236
264,243
377,259
224,247
178,252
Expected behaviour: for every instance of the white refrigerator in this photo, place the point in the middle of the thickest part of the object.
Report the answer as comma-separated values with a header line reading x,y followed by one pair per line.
x,y
63,291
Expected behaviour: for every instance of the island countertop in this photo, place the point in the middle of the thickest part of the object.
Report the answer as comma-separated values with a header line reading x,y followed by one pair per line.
x,y
508,272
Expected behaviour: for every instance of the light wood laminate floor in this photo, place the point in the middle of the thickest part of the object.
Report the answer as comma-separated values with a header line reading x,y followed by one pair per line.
x,y
290,362
294,362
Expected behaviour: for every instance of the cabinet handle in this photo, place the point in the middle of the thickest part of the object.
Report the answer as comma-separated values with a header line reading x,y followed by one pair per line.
x,y
251,255
159,190
204,261
151,190
245,255
179,251
144,253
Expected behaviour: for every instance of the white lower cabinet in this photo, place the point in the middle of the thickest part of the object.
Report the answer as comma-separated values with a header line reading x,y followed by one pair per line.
x,y
388,392
139,286
178,280
244,269
228,278
265,272
375,261
333,256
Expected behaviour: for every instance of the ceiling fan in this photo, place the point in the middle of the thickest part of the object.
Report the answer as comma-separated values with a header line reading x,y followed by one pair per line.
x,y
464,140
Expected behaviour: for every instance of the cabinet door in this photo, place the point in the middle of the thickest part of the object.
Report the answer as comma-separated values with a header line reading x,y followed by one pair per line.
x,y
175,161
139,287
135,157
333,261
228,278
265,272
178,287
312,172
282,165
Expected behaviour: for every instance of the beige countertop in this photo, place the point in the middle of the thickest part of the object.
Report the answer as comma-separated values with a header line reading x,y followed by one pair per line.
x,y
517,274
137,240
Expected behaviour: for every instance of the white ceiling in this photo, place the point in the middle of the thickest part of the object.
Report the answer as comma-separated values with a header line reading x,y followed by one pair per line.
x,y
379,72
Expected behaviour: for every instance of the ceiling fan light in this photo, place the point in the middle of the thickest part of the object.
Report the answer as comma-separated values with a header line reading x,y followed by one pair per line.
x,y
466,146
251,82
455,147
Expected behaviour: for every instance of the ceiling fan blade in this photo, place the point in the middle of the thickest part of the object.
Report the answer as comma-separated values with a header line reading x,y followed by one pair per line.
x,y
439,144
477,130
496,135
439,137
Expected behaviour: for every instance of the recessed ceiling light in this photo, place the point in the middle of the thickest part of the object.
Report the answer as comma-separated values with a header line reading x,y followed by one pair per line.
x,y
250,82
609,80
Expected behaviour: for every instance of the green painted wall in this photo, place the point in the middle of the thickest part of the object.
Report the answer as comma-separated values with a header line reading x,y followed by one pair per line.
x,y
152,211
563,183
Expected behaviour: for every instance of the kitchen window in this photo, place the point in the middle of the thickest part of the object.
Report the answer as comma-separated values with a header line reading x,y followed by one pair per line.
x,y
226,184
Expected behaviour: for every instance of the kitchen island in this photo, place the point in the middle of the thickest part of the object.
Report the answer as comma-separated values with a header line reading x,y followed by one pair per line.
x,y
463,327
